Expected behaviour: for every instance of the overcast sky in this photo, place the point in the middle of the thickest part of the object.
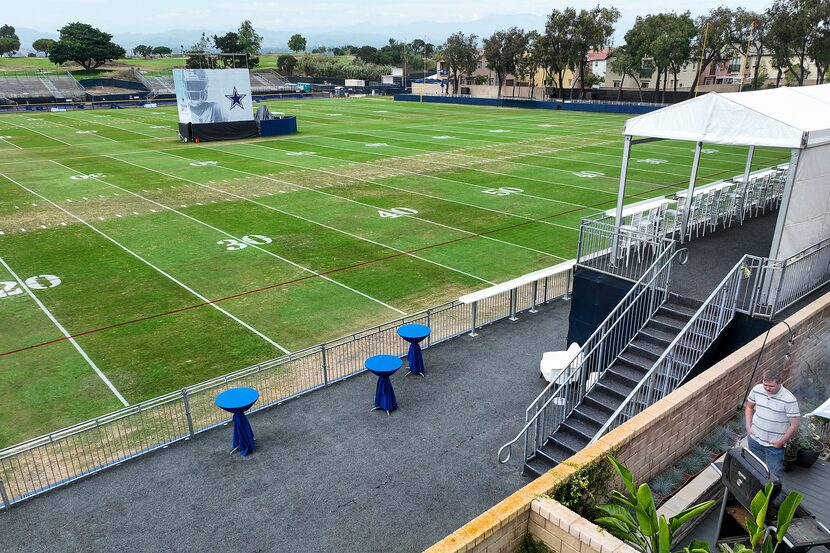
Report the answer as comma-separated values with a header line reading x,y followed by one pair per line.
x,y
149,16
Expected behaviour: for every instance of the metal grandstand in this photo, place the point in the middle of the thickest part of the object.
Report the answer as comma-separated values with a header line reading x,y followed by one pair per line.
x,y
39,87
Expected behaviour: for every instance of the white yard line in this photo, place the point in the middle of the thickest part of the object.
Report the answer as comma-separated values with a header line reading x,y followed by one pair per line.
x,y
160,271
11,143
288,213
374,207
416,193
41,134
229,235
66,334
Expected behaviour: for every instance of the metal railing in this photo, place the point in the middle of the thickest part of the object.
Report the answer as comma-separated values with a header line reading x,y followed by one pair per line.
x,y
687,348
565,392
624,253
801,274
55,459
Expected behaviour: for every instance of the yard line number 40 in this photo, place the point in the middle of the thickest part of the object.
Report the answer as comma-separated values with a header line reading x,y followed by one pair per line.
x,y
37,282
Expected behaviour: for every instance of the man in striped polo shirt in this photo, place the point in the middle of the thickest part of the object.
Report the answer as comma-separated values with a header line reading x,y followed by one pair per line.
x,y
772,418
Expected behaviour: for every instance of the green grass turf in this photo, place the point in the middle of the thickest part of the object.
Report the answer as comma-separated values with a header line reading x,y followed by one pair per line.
x,y
123,254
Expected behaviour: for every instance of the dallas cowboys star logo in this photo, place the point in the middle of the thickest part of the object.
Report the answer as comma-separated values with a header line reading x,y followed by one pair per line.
x,y
235,98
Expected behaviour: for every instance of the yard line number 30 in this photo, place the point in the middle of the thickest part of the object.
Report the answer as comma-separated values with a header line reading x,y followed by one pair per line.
x,y
233,245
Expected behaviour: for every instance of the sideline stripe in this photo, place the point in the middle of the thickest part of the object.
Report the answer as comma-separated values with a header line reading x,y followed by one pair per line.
x,y
66,334
168,275
272,254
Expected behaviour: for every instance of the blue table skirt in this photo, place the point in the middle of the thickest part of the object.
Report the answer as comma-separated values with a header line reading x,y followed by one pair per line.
x,y
237,401
414,334
384,366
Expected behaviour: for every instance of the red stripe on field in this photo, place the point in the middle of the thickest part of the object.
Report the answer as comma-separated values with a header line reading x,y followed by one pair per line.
x,y
335,270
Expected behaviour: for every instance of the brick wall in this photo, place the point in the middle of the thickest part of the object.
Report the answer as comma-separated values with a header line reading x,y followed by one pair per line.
x,y
648,443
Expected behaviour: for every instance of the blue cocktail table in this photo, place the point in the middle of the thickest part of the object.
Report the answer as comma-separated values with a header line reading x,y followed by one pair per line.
x,y
384,366
414,334
237,401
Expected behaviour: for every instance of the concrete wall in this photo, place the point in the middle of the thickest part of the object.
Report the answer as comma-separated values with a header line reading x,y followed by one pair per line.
x,y
648,443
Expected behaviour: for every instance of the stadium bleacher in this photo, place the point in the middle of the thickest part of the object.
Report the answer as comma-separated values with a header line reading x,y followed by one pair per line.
x,y
40,88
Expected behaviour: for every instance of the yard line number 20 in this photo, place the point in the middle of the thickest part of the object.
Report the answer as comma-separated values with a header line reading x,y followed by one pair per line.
x,y
37,282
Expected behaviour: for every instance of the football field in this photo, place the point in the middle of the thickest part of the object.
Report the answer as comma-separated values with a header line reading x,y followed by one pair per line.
x,y
132,265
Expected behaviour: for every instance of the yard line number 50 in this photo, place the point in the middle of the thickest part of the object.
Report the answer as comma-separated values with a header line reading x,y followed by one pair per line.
x,y
37,282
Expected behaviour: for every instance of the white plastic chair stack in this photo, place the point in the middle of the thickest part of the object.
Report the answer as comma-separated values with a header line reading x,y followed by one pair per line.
x,y
554,363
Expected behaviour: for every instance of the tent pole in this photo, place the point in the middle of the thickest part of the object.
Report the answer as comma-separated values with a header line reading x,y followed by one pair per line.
x,y
620,198
748,167
785,204
687,210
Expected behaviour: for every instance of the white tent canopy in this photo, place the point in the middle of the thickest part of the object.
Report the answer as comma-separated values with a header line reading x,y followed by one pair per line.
x,y
781,117
794,118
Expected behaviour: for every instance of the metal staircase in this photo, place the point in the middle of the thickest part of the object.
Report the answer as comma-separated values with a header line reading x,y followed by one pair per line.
x,y
598,392
614,385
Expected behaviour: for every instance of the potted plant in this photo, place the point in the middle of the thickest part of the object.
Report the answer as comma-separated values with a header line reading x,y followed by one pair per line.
x,y
810,446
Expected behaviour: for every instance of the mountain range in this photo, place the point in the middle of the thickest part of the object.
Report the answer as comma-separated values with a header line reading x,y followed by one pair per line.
x,y
275,40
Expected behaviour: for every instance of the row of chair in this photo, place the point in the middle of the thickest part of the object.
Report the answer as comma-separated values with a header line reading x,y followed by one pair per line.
x,y
719,204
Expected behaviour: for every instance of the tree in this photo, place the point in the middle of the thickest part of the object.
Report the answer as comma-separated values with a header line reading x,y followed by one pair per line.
x,y
751,29
461,55
9,42
715,40
672,47
791,34
229,44
200,56
527,64
85,45
249,42
143,50
496,53
286,64
366,54
625,63
297,43
590,30
162,51
502,51
553,49
43,45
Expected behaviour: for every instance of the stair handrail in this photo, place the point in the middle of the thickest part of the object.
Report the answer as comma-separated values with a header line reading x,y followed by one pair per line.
x,y
659,268
723,301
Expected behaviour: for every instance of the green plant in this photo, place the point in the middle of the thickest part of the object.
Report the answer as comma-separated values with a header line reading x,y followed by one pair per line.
x,y
758,531
804,438
665,482
694,461
530,545
718,441
584,489
633,517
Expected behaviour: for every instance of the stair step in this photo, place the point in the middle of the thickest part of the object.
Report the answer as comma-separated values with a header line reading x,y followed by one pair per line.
x,y
680,309
606,396
594,410
589,425
656,335
569,438
672,316
554,453
667,324
581,426
648,347
629,373
685,301
536,467
636,359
